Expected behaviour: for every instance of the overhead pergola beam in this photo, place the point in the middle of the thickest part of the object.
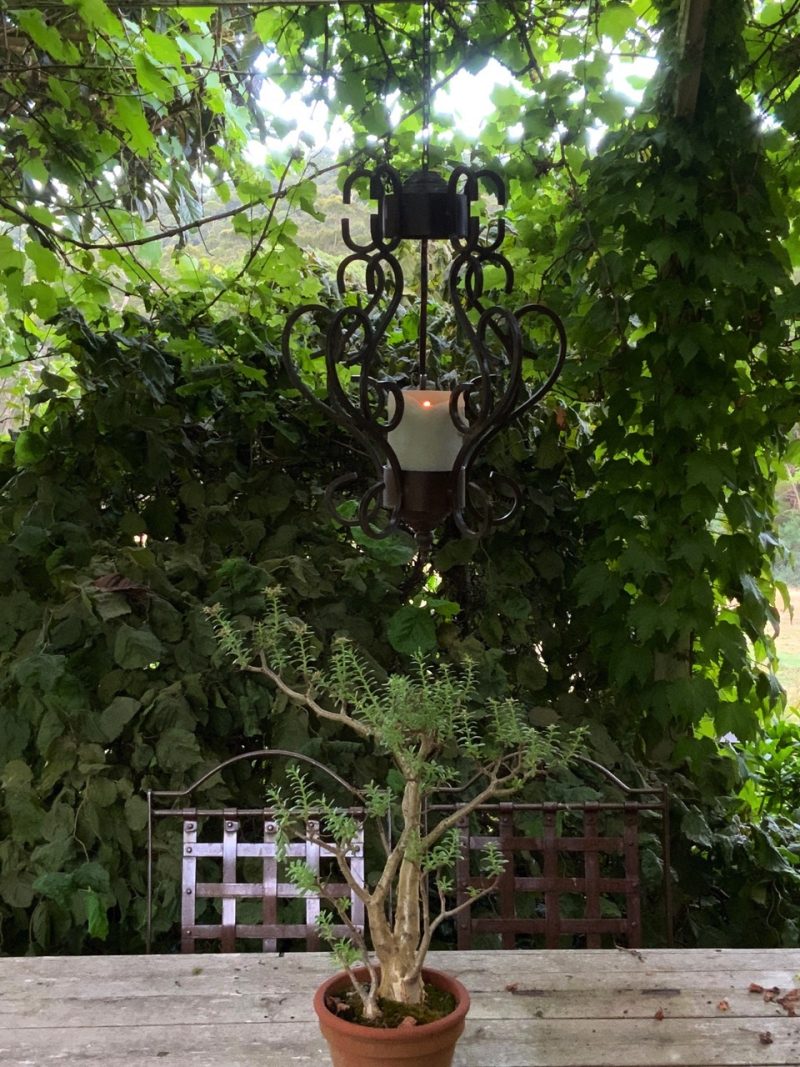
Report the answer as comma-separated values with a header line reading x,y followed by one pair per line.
x,y
692,23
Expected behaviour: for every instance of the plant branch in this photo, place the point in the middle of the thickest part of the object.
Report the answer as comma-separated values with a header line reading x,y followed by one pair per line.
x,y
306,699
448,913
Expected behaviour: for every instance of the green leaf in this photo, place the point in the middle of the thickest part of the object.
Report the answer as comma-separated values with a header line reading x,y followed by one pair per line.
x,y
136,648
515,606
47,264
16,888
448,609
166,621
708,471
128,116
55,885
592,582
695,827
110,605
628,661
549,564
136,813
177,750
50,728
150,77
394,551
638,561
102,792
29,448
267,24
44,298
163,49
16,775
737,719
42,670
456,553
97,16
92,875
117,715
531,673
46,37
15,733
96,916
411,630
548,453
615,20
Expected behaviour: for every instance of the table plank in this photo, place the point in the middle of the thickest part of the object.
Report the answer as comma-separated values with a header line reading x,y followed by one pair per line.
x,y
525,1002
502,1043
563,1009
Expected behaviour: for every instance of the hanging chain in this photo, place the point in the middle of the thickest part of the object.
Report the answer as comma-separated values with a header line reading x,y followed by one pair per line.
x,y
426,82
422,358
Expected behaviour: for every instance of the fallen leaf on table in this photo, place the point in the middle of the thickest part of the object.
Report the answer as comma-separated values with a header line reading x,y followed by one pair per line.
x,y
512,987
765,1037
789,1001
659,1015
770,994
723,1006
755,988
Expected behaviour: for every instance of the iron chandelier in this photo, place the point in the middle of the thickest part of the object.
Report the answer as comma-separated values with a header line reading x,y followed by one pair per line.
x,y
422,429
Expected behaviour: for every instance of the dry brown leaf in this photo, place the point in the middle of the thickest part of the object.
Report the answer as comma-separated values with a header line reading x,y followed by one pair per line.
x,y
512,987
755,988
118,583
765,1037
659,1015
336,1005
789,1002
723,1006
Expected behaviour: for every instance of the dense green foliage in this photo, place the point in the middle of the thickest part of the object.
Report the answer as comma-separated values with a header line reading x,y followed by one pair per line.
x,y
110,681
689,329
635,590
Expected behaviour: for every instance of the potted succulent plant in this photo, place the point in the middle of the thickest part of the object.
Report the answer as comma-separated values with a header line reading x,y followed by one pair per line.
x,y
421,720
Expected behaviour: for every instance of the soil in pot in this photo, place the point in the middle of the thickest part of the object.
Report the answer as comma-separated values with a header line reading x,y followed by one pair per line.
x,y
347,1004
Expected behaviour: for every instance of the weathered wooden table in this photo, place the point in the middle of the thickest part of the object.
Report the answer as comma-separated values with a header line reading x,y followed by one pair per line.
x,y
529,1009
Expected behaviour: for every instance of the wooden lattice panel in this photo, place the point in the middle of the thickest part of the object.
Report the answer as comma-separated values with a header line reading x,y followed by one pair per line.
x,y
229,855
540,870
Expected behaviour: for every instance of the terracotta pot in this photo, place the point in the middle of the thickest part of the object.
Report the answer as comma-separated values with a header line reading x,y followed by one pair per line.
x,y
427,1045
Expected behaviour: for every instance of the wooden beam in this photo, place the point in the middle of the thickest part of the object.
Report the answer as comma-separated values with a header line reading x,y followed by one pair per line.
x,y
692,22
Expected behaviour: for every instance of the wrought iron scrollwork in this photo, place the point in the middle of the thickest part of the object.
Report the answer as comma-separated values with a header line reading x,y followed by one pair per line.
x,y
349,346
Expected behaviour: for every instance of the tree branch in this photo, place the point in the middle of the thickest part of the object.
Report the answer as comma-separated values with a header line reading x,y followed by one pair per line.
x,y
306,699
341,856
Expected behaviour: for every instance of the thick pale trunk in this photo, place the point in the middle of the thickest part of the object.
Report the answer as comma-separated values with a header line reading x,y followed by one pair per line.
x,y
396,957
396,948
396,984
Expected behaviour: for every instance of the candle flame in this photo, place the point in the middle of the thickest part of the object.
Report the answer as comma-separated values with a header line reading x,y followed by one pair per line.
x,y
426,403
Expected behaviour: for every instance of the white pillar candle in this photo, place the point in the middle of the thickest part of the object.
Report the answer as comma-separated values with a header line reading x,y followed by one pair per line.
x,y
426,439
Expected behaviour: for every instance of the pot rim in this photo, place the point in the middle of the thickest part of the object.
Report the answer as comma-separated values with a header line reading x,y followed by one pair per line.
x,y
454,1018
